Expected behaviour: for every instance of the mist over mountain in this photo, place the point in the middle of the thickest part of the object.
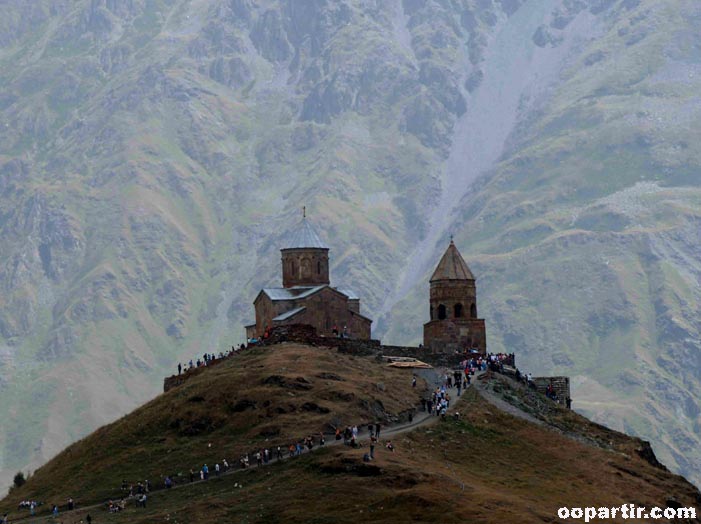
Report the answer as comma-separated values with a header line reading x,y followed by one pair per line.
x,y
153,152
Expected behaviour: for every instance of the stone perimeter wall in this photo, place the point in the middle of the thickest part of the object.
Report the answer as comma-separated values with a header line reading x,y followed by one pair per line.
x,y
305,334
561,385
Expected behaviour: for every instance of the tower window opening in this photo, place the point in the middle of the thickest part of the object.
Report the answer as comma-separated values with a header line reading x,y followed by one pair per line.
x,y
318,268
473,311
441,312
457,310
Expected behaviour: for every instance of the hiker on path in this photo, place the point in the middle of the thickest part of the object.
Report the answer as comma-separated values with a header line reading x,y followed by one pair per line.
x,y
377,430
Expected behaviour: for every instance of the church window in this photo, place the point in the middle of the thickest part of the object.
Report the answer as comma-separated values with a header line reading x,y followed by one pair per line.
x,y
318,268
306,267
473,311
431,312
457,310
441,312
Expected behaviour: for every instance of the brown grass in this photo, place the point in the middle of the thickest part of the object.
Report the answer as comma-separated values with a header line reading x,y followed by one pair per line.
x,y
486,467
267,396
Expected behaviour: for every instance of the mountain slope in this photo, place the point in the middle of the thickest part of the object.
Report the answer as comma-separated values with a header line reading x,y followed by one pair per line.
x,y
153,152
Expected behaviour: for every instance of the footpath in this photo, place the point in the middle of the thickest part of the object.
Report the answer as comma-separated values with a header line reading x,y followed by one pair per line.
x,y
77,516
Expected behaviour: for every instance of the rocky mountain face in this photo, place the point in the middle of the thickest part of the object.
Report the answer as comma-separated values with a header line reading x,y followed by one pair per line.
x,y
152,153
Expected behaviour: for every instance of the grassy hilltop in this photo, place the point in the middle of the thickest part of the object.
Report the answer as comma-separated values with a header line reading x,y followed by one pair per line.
x,y
263,397
489,466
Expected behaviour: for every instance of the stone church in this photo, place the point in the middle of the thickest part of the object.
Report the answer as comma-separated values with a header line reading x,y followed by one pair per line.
x,y
454,325
306,295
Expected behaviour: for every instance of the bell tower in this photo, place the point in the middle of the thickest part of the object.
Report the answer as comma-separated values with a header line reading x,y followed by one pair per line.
x,y
453,292
305,259
453,323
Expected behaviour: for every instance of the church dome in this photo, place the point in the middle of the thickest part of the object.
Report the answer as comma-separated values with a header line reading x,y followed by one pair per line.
x,y
303,237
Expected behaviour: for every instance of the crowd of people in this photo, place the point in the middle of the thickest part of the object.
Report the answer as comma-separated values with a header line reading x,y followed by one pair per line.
x,y
138,491
351,435
31,505
209,359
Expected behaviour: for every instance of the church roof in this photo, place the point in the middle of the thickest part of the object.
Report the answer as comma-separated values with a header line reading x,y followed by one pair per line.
x,y
289,314
291,293
452,266
303,236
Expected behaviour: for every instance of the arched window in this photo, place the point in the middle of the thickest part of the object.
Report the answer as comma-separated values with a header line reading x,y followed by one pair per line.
x,y
431,312
473,311
457,310
441,312
292,267
318,267
306,267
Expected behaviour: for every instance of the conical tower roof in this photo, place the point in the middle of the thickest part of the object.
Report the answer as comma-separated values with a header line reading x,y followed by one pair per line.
x,y
452,266
302,237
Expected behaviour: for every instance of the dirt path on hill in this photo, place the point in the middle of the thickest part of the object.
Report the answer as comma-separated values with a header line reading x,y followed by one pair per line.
x,y
422,419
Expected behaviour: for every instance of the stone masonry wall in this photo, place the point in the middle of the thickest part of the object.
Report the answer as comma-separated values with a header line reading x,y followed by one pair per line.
x,y
306,334
561,385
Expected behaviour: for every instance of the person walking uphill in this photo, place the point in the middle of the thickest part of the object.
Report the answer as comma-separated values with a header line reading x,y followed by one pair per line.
x,y
377,430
